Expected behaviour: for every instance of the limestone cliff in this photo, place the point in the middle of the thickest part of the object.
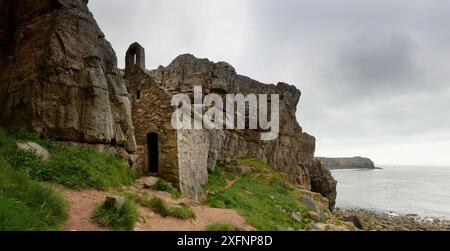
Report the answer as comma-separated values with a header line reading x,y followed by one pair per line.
x,y
347,163
59,76
292,153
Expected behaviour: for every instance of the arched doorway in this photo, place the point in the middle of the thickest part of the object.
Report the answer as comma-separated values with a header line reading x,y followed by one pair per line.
x,y
153,153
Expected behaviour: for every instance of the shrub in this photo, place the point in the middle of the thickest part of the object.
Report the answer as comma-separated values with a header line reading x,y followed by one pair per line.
x,y
221,228
120,219
164,186
28,162
183,212
160,207
30,136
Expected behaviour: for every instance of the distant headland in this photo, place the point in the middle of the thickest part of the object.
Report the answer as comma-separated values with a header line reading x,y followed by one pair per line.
x,y
347,163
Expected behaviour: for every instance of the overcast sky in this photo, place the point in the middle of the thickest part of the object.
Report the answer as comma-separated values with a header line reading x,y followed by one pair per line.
x,y
374,74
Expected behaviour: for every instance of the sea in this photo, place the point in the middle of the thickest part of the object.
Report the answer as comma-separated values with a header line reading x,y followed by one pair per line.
x,y
417,190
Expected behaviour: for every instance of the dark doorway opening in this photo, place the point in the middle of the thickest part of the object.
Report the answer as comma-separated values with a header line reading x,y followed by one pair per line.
x,y
153,152
138,94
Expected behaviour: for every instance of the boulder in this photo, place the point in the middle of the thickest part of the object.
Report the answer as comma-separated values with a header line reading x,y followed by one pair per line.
x,y
114,203
147,182
315,208
296,216
228,161
39,150
239,170
356,221
315,216
235,162
134,161
324,227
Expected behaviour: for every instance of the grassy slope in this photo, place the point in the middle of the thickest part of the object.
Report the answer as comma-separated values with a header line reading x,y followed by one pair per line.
x,y
25,204
258,196
72,167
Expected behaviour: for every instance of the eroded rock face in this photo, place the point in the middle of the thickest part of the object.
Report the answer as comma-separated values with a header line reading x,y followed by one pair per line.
x,y
59,75
322,181
292,153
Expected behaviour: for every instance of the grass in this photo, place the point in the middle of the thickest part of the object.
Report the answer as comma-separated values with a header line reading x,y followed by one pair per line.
x,y
73,167
164,186
160,207
119,219
81,168
26,205
258,196
221,228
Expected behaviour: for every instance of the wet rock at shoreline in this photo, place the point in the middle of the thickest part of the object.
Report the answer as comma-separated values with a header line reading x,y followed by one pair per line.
x,y
374,221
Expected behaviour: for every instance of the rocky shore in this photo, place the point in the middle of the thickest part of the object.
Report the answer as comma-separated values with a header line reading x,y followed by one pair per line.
x,y
366,220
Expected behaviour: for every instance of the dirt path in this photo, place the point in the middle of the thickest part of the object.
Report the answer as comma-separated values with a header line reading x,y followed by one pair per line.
x,y
81,206
83,203
205,216
230,183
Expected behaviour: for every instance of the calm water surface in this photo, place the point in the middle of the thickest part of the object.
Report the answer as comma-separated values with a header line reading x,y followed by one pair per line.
x,y
424,191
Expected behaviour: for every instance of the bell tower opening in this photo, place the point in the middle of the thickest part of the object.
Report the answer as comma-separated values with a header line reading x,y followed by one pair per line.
x,y
135,58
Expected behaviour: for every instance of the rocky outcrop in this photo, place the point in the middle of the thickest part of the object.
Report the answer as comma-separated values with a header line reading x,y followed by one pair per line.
x,y
59,75
377,221
347,163
322,181
292,153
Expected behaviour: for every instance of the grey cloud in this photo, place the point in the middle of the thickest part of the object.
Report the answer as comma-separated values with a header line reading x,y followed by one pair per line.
x,y
379,63
371,72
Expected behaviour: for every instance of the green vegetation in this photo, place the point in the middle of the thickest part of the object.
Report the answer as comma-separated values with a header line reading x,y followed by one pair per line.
x,y
74,167
120,219
221,228
258,164
164,186
26,205
259,195
160,207
81,168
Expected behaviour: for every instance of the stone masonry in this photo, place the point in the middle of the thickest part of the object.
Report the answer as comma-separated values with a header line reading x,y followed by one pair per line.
x,y
182,155
292,153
